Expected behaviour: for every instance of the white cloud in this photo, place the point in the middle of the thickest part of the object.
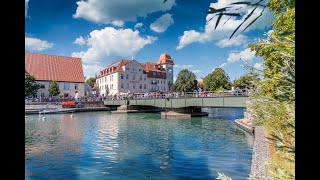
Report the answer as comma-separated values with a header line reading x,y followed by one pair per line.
x,y
184,66
80,41
162,23
225,30
110,42
77,54
138,25
26,8
245,55
259,66
235,41
117,23
34,44
197,71
188,38
106,12
90,70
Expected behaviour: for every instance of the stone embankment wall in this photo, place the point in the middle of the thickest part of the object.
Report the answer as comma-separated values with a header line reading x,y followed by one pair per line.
x,y
38,105
259,168
260,152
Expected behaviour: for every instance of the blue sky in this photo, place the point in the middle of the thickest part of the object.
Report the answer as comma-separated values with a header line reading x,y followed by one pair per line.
x,y
104,31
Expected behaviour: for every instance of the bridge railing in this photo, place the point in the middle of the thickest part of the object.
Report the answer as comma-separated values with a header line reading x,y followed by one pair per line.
x,y
177,95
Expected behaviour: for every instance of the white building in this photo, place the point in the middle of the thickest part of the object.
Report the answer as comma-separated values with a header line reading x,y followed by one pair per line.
x,y
131,76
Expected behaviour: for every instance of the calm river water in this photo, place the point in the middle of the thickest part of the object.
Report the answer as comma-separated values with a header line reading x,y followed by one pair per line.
x,y
101,145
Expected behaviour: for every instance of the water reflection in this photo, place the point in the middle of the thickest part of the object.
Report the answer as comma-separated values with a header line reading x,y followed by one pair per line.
x,y
101,145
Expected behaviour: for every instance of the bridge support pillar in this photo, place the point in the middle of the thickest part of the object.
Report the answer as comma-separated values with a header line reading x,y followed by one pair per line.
x,y
183,113
136,109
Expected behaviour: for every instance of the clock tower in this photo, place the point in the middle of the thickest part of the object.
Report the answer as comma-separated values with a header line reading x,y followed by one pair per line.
x,y
167,63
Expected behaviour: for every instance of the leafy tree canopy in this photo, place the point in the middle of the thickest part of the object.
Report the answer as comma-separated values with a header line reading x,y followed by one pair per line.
x,y
218,79
31,87
91,81
54,89
186,81
247,81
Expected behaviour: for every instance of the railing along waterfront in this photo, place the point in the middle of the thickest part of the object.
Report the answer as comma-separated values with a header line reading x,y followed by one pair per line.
x,y
177,95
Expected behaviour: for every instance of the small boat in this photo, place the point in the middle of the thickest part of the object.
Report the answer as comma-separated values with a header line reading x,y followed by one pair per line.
x,y
55,111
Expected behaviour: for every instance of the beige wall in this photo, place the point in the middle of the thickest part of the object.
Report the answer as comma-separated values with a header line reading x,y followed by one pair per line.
x,y
71,90
134,67
116,80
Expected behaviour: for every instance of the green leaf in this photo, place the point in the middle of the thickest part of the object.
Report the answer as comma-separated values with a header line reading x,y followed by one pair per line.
x,y
254,20
218,20
249,15
226,21
247,3
231,14
213,10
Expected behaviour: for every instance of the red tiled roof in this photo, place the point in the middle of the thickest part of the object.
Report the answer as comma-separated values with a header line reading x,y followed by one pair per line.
x,y
165,59
150,67
114,67
54,68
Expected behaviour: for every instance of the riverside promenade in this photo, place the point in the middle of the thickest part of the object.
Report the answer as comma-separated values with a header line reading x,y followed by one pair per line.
x,y
34,108
260,152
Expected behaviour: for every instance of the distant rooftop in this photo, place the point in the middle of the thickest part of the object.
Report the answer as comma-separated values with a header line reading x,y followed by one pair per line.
x,y
46,67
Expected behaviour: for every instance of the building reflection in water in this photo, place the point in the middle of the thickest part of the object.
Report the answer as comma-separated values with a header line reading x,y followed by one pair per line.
x,y
53,143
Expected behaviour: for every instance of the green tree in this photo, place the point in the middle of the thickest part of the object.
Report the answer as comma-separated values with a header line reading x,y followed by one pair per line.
x,y
247,81
186,81
272,104
278,49
31,87
54,89
218,79
91,81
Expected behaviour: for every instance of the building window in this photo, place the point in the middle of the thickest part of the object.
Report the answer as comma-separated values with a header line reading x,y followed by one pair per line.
x,y
140,70
140,86
111,86
159,75
127,76
105,79
134,77
121,76
127,86
50,83
42,95
154,74
66,86
76,86
140,77
42,85
134,86
145,86
133,69
145,78
105,87
121,85
127,68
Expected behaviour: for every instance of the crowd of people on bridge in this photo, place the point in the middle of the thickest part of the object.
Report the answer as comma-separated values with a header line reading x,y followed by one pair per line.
x,y
147,95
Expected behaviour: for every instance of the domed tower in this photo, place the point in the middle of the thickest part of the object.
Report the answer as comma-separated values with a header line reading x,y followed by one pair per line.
x,y
167,63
